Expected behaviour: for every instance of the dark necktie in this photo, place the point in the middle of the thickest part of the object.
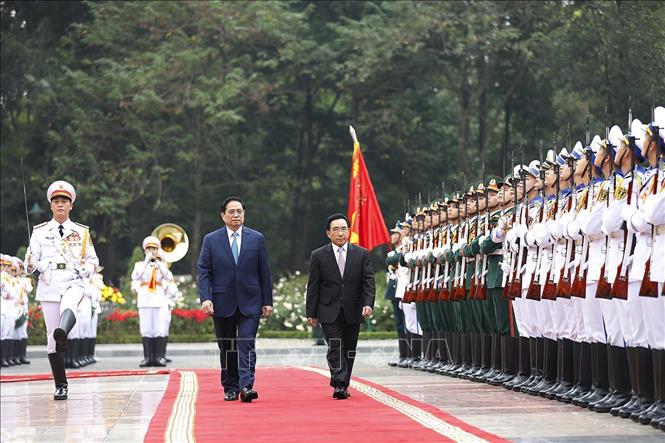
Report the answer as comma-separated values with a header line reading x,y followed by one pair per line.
x,y
61,230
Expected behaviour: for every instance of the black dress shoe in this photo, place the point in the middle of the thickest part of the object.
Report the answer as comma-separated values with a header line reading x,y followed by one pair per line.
x,y
248,394
341,394
231,396
60,393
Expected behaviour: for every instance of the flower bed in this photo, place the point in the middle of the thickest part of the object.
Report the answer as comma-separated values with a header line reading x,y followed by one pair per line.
x,y
189,323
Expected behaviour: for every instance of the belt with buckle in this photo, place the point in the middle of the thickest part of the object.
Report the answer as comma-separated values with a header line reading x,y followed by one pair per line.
x,y
61,266
660,229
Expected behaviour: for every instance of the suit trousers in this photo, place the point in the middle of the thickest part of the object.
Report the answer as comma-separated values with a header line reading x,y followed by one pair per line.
x,y
236,339
342,339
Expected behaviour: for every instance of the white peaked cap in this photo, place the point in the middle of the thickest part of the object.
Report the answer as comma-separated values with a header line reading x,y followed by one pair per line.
x,y
595,143
637,130
659,117
61,188
151,241
551,156
616,136
578,150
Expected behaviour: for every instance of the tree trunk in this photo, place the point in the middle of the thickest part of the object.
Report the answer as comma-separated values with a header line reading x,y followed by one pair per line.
x,y
199,169
463,127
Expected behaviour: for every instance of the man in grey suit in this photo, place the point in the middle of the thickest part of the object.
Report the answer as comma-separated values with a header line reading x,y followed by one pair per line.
x,y
340,295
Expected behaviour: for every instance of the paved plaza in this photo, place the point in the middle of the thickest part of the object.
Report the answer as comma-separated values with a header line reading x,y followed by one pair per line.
x,y
120,408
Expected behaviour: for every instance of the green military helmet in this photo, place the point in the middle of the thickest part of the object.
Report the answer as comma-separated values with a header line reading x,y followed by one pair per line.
x,y
480,188
508,180
393,258
398,228
494,183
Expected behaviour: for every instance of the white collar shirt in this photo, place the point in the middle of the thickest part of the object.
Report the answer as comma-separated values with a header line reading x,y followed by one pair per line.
x,y
345,249
230,233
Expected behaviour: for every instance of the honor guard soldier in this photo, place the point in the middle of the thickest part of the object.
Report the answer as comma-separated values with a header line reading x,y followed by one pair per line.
x,y
651,218
7,312
23,286
63,254
392,264
150,281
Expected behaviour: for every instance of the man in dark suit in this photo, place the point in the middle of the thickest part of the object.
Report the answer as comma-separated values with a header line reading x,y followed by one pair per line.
x,y
236,289
340,295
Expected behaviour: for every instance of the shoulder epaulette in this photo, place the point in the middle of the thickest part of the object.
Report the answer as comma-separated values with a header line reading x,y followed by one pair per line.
x,y
40,225
82,225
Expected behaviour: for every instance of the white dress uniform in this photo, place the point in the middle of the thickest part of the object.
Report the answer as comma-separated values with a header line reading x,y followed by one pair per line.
x,y
649,244
65,258
589,222
410,314
150,279
65,263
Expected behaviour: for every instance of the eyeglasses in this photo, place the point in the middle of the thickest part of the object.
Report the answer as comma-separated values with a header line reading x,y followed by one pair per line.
x,y
339,229
235,211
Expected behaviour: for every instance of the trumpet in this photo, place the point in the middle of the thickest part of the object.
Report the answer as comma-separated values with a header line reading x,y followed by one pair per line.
x,y
173,240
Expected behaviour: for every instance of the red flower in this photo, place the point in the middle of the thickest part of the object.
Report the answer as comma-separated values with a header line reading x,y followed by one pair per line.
x,y
120,316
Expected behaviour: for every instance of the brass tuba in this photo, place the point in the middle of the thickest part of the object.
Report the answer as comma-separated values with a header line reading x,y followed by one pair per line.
x,y
173,240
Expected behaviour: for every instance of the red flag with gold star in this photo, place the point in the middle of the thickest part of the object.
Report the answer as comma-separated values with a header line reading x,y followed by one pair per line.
x,y
367,226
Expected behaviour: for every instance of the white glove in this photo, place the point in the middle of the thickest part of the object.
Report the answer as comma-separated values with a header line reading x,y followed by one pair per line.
x,y
502,224
505,267
627,212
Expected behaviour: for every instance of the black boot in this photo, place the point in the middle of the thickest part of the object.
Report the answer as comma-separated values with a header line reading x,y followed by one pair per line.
x,y
401,345
156,352
643,389
619,393
451,349
24,352
73,347
10,353
657,411
3,354
67,322
93,345
16,352
535,368
421,365
549,368
509,351
485,358
68,354
523,365
88,351
81,352
599,376
57,362
465,352
495,359
146,352
582,374
567,366
166,342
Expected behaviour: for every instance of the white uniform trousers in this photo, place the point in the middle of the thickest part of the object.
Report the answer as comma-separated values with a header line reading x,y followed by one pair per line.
x,y
166,319
578,332
51,311
151,322
611,321
548,329
653,309
83,318
592,316
564,318
631,317
520,310
93,325
7,323
411,318
21,332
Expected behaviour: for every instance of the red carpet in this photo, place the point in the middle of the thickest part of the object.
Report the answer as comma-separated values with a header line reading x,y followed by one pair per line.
x,y
88,374
295,405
